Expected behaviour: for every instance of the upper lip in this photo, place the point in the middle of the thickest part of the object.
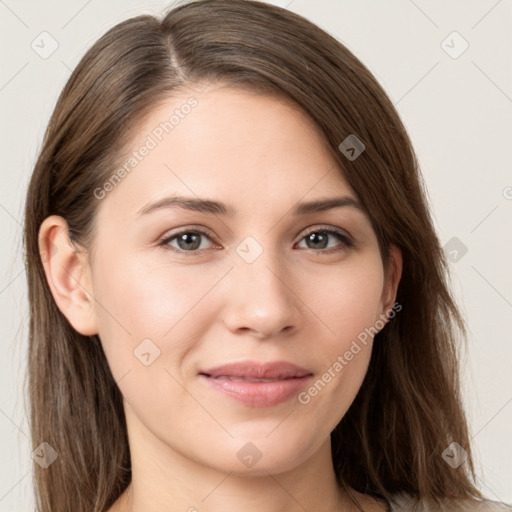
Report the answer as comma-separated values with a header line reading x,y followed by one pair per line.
x,y
258,370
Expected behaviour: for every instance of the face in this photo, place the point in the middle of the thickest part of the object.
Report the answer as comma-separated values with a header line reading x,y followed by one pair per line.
x,y
180,292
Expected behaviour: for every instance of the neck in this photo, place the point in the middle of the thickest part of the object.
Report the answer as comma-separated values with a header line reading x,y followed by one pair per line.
x,y
183,486
163,479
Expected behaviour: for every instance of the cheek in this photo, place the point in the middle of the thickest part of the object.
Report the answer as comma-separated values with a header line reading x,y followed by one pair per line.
x,y
137,302
350,300
349,306
146,300
144,327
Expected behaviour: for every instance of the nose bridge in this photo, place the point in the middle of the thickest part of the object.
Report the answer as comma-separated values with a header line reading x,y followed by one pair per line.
x,y
260,268
263,300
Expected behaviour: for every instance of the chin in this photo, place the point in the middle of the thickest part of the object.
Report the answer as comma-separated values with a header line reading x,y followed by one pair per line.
x,y
257,453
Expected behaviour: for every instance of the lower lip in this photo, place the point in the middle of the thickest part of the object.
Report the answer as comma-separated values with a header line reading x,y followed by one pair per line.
x,y
258,394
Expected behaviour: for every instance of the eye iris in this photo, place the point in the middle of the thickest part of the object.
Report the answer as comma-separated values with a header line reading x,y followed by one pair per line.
x,y
186,239
313,237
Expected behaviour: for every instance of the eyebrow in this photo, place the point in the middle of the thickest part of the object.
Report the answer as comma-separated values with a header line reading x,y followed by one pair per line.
x,y
210,206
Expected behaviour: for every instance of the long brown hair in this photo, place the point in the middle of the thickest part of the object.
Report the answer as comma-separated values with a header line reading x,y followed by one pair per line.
x,y
408,409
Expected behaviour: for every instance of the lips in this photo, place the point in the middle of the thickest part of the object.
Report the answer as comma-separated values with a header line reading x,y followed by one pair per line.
x,y
255,371
257,384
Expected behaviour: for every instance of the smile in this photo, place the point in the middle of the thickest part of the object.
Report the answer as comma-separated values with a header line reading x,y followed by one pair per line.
x,y
257,384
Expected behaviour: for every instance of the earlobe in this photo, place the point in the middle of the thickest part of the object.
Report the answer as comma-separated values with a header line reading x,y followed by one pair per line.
x,y
394,274
68,275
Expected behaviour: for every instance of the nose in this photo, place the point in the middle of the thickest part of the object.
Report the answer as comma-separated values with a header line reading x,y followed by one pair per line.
x,y
261,300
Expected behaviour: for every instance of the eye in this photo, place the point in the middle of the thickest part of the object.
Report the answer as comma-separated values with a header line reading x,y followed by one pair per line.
x,y
189,241
318,238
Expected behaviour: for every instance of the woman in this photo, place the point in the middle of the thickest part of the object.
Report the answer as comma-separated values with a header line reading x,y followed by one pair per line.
x,y
300,354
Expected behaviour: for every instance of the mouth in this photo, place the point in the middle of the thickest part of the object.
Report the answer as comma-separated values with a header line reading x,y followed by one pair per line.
x,y
246,379
257,384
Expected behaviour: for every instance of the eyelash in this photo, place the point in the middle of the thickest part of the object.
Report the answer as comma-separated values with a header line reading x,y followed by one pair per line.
x,y
346,242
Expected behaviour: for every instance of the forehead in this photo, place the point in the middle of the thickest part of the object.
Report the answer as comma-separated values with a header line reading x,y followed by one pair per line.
x,y
226,143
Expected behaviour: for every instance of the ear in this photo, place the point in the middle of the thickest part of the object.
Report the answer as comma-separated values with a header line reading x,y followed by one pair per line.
x,y
68,275
392,278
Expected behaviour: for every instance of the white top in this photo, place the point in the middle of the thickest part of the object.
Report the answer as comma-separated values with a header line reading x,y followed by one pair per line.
x,y
406,503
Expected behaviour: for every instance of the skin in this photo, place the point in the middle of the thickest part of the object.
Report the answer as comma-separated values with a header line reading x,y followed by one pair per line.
x,y
261,155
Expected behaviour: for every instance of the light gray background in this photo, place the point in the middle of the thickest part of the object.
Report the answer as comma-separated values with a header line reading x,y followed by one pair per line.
x,y
458,112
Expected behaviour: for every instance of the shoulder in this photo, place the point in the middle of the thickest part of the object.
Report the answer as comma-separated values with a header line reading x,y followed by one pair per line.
x,y
406,503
